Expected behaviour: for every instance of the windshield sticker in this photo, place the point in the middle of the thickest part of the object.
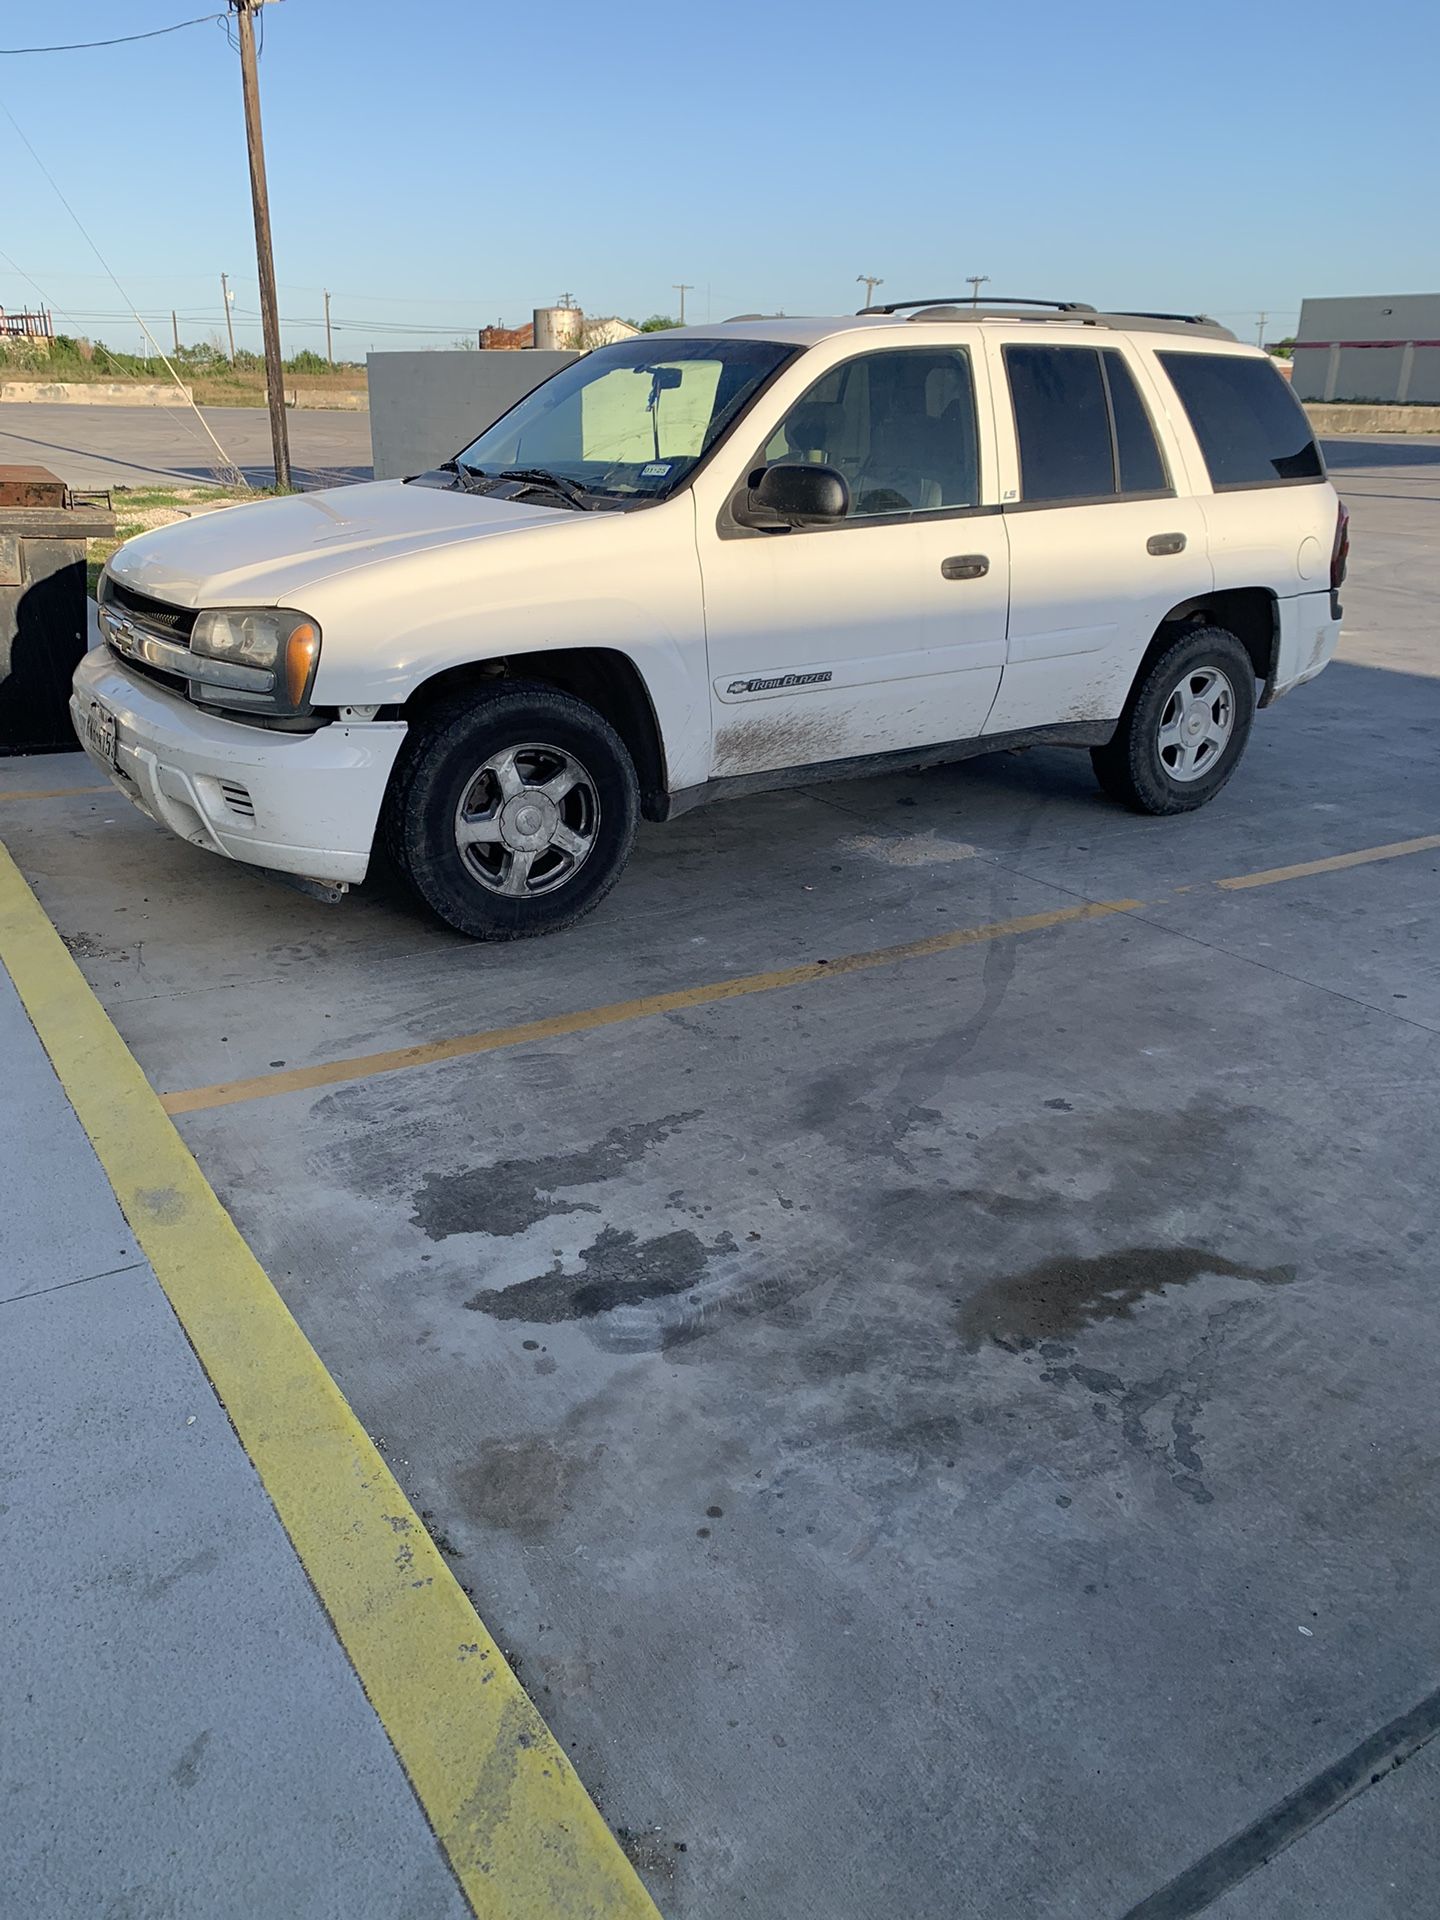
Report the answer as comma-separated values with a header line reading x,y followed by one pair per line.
x,y
656,470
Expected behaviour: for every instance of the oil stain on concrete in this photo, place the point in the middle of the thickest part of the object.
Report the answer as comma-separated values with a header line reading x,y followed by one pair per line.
x,y
1069,1291
523,1483
510,1195
618,1269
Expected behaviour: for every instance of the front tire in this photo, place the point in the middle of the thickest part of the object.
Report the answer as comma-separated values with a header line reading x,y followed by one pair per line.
x,y
1184,728
513,813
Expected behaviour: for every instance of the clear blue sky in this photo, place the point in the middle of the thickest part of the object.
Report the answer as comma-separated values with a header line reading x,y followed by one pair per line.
x,y
443,163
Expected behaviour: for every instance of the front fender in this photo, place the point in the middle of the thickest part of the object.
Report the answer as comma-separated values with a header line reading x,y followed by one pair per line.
x,y
626,582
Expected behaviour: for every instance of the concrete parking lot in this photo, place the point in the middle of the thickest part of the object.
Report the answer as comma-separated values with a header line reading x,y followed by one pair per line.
x,y
916,1324
100,446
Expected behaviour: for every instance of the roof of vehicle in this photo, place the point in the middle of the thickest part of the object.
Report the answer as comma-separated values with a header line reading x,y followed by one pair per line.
x,y
807,330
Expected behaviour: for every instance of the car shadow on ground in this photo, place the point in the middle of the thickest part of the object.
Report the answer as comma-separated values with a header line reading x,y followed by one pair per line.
x,y
1398,450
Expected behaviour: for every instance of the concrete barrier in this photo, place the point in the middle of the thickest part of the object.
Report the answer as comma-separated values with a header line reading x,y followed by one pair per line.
x,y
1337,416
94,393
333,399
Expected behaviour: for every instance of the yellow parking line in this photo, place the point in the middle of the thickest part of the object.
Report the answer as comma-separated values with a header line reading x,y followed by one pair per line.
x,y
522,1834
364,1066
51,793
1273,875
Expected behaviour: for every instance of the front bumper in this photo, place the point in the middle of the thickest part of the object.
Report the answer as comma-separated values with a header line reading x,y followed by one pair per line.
x,y
301,803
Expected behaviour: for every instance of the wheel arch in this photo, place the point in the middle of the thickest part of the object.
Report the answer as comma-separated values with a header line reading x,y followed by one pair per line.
x,y
1252,614
603,677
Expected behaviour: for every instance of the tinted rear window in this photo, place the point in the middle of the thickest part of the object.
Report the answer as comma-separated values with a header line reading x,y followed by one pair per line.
x,y
1062,421
1142,470
1252,430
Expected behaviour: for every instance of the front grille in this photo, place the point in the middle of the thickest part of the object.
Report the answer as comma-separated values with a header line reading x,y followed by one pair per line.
x,y
175,682
174,623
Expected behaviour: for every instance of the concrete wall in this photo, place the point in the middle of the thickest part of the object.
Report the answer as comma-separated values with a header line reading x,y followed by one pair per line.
x,y
1375,347
424,407
94,393
1338,418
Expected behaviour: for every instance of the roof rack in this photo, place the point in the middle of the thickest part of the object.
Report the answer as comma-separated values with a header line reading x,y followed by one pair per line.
x,y
1189,319
984,300
1077,312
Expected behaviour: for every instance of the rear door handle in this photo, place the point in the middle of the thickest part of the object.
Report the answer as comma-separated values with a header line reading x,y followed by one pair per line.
x,y
965,566
1160,543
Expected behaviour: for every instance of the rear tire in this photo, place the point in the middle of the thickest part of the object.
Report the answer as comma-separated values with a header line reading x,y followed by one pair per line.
x,y
1184,727
513,813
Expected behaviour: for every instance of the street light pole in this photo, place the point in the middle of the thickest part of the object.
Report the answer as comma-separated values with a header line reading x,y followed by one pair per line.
x,y
245,11
226,301
682,287
869,281
975,281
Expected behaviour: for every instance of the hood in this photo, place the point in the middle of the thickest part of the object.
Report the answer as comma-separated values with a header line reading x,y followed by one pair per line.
x,y
262,555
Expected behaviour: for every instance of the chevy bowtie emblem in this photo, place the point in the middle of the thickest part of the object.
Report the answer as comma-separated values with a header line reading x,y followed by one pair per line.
x,y
119,632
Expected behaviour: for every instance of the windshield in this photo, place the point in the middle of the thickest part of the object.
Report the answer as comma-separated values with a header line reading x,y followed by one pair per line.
x,y
629,421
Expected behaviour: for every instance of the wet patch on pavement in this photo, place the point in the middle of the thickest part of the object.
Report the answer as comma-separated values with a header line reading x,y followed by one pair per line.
x,y
1070,1291
510,1195
618,1269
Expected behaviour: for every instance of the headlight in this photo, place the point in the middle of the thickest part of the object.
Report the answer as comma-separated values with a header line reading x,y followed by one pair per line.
x,y
277,649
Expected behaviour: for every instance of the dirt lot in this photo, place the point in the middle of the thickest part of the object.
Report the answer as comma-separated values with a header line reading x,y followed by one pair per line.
x,y
954,1437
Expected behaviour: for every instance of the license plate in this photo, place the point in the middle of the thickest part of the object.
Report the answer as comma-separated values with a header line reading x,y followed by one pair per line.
x,y
100,731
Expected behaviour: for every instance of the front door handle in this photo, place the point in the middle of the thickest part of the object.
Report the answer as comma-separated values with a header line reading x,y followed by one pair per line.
x,y
1160,543
965,566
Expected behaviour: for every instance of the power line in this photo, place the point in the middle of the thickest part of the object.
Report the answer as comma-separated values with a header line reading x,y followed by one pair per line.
x,y
176,413
79,46
228,465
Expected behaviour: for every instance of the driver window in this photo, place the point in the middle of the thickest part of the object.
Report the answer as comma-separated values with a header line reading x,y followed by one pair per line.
x,y
899,426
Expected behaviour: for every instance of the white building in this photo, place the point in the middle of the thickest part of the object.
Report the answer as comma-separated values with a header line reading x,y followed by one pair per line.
x,y
604,333
1381,347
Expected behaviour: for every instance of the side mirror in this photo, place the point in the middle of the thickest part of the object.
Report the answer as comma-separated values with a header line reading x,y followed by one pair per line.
x,y
797,494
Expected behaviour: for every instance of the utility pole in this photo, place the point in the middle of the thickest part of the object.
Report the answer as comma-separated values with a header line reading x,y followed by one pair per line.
x,y
1260,330
329,347
869,281
175,330
682,287
975,281
227,300
245,11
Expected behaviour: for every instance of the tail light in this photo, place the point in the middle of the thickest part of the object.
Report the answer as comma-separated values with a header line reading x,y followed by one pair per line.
x,y
1340,553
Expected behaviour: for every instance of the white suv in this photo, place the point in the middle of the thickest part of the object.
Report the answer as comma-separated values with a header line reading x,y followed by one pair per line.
x,y
726,558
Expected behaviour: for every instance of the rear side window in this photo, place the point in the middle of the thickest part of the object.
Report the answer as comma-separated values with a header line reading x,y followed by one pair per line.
x,y
1142,470
1083,430
1252,430
1062,421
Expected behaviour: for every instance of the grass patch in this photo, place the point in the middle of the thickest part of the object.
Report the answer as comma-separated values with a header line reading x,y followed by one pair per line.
x,y
203,367
139,497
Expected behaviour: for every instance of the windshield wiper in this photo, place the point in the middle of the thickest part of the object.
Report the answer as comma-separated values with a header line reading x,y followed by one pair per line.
x,y
465,477
568,489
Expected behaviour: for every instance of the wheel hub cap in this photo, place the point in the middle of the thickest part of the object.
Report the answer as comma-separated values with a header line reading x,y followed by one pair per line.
x,y
1196,724
528,822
